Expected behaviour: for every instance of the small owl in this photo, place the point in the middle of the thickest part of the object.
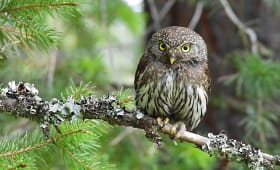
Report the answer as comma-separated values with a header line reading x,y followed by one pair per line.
x,y
172,78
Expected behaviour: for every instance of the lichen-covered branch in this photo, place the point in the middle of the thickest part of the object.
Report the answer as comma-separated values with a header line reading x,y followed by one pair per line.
x,y
22,100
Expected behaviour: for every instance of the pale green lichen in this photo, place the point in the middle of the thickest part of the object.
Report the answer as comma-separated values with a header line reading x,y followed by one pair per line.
x,y
234,150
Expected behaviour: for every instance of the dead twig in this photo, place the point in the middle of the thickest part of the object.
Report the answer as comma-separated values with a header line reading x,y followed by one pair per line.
x,y
249,31
196,16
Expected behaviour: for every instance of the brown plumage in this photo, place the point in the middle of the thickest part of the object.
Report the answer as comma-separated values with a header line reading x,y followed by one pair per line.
x,y
172,78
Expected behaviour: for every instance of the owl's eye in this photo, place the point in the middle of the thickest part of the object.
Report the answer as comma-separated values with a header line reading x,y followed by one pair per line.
x,y
186,48
162,46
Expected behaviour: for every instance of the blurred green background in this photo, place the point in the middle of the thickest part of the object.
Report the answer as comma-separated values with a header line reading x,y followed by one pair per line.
x,y
102,42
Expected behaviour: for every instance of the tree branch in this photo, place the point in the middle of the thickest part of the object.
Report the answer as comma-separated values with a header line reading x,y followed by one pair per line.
x,y
30,6
154,14
157,16
196,16
22,100
249,31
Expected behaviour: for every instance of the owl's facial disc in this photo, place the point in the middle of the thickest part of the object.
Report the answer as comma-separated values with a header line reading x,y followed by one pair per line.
x,y
175,54
169,53
170,56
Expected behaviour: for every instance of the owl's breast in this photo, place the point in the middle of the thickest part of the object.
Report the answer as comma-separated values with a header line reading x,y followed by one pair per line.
x,y
173,86
181,99
170,94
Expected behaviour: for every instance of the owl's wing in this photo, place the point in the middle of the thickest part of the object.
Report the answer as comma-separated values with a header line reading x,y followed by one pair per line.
x,y
142,65
208,80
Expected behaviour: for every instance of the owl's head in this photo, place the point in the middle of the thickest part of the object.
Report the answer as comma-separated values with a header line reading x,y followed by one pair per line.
x,y
175,44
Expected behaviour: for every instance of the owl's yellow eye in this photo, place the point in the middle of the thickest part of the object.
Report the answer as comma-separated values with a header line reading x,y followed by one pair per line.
x,y
162,46
186,48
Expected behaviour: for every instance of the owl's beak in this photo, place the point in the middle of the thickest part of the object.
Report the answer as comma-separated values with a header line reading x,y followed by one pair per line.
x,y
172,55
172,60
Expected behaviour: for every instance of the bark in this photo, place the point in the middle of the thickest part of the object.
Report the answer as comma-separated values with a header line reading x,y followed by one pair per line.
x,y
22,100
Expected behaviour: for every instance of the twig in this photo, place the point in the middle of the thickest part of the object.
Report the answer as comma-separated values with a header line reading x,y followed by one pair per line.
x,y
196,15
251,33
167,6
121,136
40,145
22,100
163,12
8,28
51,69
2,49
154,14
52,63
29,6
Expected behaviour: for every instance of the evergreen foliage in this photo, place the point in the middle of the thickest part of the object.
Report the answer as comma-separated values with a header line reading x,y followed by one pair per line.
x,y
76,91
75,149
23,23
126,98
258,84
256,77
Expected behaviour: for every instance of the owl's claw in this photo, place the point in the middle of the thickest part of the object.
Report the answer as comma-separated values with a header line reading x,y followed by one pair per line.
x,y
162,122
177,129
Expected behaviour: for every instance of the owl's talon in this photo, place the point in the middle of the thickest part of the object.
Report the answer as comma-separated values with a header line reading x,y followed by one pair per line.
x,y
162,122
174,130
159,121
177,130
166,121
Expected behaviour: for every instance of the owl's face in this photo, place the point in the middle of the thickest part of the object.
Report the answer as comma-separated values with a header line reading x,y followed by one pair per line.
x,y
174,45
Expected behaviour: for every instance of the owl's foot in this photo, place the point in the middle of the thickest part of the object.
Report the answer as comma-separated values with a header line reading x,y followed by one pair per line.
x,y
178,129
162,122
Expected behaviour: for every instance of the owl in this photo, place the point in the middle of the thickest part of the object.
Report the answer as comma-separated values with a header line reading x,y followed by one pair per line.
x,y
172,79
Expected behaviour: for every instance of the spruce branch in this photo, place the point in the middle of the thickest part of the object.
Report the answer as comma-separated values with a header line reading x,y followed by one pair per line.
x,y
22,100
32,6
39,145
25,21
